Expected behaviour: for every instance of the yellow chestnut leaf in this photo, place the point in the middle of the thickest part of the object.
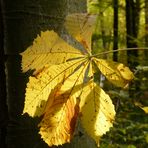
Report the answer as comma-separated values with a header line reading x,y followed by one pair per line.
x,y
63,88
58,124
115,72
97,111
48,48
39,87
81,27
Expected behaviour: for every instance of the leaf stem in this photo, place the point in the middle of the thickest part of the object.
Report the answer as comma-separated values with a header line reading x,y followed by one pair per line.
x,y
123,49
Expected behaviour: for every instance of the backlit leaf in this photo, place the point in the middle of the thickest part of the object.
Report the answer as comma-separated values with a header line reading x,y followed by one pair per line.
x,y
115,72
62,109
97,111
63,88
144,108
39,87
59,121
48,48
81,27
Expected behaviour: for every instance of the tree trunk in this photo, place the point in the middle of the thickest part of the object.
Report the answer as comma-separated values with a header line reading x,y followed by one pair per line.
x,y
132,26
115,43
146,27
23,21
132,23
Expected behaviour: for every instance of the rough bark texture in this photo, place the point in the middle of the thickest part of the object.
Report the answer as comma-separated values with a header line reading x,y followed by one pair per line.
x,y
23,20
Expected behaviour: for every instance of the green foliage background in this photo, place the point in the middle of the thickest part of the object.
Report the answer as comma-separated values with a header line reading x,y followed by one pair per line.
x,y
130,128
131,125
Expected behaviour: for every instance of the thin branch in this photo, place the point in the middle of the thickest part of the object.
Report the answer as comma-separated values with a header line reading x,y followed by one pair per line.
x,y
123,49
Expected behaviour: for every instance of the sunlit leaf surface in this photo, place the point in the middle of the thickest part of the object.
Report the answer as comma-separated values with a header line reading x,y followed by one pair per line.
x,y
39,87
63,88
81,27
48,48
97,111
115,72
59,120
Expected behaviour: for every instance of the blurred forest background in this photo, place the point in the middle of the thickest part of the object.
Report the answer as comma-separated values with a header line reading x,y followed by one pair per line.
x,y
121,24
124,24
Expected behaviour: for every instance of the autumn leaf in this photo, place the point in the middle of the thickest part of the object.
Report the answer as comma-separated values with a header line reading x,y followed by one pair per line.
x,y
39,87
48,48
144,108
81,27
97,111
62,110
59,120
62,88
115,72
